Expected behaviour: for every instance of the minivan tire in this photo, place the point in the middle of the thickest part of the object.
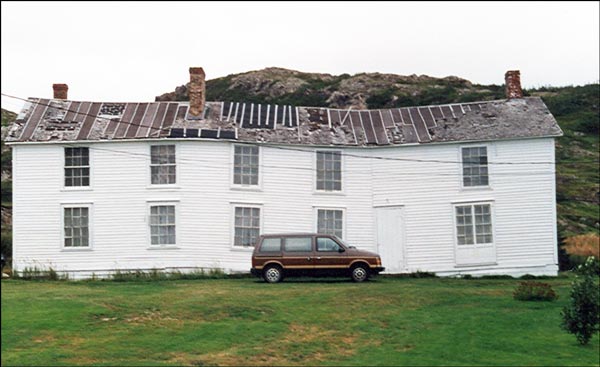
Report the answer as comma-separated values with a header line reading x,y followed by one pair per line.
x,y
272,274
359,273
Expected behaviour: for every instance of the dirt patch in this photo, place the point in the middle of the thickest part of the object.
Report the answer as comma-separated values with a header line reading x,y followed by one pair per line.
x,y
300,345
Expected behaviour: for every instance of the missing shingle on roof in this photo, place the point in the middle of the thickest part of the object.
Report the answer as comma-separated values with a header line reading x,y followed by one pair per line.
x,y
112,109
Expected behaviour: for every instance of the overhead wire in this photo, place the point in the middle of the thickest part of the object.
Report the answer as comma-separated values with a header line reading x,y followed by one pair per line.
x,y
311,150
404,173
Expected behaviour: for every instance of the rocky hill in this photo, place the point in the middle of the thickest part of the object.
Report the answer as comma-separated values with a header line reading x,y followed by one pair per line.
x,y
365,90
575,108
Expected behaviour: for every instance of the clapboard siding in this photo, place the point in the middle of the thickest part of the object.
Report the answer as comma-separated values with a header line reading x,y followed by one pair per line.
x,y
523,204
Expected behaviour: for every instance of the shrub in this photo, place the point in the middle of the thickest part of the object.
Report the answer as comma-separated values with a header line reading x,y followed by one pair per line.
x,y
583,245
580,316
534,291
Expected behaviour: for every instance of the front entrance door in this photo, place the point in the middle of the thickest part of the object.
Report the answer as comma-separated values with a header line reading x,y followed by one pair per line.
x,y
390,231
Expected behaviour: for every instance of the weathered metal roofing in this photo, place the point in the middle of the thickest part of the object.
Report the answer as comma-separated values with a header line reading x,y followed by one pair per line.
x,y
43,120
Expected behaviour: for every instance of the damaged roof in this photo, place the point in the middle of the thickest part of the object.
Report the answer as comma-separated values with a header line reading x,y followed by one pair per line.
x,y
45,120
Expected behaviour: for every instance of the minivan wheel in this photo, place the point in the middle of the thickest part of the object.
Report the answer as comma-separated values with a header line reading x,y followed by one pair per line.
x,y
360,273
272,274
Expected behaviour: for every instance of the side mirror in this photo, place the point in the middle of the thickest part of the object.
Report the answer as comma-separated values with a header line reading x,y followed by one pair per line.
x,y
341,249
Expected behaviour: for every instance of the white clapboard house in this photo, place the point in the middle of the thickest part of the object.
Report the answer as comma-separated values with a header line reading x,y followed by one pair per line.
x,y
453,189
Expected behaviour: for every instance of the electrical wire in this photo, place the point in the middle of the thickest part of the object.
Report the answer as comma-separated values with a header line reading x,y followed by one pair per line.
x,y
311,151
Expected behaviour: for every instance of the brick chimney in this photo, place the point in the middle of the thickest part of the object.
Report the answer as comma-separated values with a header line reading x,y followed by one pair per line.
x,y
512,80
197,91
60,91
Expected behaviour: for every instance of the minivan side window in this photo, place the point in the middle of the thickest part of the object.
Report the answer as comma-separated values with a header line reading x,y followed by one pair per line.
x,y
327,244
271,245
298,244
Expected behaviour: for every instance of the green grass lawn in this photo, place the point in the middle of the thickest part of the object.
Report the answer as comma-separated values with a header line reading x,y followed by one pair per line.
x,y
304,322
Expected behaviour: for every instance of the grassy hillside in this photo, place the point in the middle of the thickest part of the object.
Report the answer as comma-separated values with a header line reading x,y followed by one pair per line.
x,y
575,108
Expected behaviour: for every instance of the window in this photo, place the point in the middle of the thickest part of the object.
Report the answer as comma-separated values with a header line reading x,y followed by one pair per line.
x,y
474,224
247,226
245,165
77,167
329,171
76,227
162,164
271,245
162,225
327,244
330,222
475,166
298,244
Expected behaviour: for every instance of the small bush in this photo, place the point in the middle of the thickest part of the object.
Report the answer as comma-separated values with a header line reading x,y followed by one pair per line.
x,y
534,291
581,315
36,273
583,245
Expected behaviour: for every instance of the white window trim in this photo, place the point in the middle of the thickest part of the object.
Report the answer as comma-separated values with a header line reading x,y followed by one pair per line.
x,y
462,186
90,207
316,217
150,185
234,186
492,218
91,166
341,192
234,205
151,203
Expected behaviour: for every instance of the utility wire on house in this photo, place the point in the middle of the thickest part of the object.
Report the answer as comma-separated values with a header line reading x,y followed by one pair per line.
x,y
275,146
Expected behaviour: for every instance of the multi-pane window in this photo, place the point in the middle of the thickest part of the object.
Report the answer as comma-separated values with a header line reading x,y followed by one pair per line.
x,y
475,166
329,170
245,165
77,167
162,164
474,224
330,221
162,225
76,227
247,226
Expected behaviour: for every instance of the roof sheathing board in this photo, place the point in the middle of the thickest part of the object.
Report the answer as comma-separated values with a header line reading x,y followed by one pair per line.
x,y
74,120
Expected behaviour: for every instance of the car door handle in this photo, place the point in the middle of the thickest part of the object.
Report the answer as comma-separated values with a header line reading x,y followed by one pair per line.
x,y
319,258
308,258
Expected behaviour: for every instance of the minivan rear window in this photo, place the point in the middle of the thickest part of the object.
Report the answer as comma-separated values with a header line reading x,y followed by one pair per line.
x,y
298,244
271,245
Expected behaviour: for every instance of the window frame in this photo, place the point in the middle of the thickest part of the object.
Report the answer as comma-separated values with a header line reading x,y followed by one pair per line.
x,y
316,190
150,165
461,167
149,205
235,205
64,167
316,219
90,208
472,204
233,185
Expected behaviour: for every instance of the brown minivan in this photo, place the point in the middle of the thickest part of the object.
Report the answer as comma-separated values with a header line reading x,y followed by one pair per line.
x,y
279,255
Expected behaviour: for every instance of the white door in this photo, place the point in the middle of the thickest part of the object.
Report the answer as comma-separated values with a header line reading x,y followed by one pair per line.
x,y
390,232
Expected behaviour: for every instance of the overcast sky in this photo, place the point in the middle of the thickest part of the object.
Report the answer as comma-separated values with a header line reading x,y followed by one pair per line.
x,y
134,51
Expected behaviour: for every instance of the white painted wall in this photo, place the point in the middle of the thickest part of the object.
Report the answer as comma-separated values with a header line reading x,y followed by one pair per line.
x,y
522,197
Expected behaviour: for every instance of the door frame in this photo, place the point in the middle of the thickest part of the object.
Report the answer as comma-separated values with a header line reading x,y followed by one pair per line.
x,y
402,208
